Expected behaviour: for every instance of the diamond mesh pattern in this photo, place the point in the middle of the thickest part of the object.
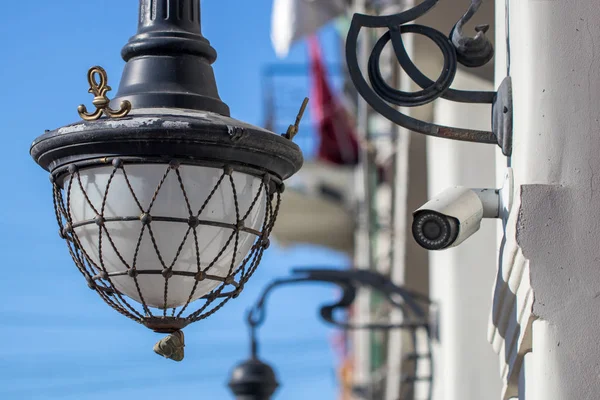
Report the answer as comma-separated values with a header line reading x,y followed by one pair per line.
x,y
102,279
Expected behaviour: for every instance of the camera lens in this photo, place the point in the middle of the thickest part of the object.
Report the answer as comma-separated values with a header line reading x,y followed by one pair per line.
x,y
434,231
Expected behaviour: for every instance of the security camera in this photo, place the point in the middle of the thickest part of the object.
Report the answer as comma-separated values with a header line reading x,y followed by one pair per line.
x,y
453,216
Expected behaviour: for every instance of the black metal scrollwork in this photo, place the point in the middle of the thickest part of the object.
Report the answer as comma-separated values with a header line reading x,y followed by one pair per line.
x,y
458,48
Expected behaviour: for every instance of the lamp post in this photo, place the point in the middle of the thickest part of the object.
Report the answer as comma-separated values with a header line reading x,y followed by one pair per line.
x,y
253,379
165,202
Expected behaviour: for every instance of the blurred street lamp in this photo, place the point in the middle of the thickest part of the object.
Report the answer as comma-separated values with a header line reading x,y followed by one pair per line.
x,y
253,379
164,199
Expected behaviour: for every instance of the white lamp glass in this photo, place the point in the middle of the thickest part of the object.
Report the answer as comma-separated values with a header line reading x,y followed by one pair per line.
x,y
170,202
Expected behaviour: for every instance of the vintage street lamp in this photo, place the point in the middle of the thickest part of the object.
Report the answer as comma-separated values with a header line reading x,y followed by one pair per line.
x,y
166,202
253,379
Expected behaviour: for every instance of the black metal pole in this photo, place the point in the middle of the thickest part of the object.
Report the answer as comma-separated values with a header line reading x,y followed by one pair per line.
x,y
169,61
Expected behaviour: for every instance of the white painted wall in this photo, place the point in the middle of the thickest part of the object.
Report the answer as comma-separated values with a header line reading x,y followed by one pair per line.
x,y
555,66
462,278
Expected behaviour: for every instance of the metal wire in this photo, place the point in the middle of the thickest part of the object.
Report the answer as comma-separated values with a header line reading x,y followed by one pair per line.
x,y
100,279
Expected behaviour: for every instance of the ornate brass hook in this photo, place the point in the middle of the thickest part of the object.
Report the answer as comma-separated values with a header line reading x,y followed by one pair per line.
x,y
98,81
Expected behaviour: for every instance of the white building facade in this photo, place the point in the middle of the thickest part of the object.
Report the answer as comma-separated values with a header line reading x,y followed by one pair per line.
x,y
545,323
533,283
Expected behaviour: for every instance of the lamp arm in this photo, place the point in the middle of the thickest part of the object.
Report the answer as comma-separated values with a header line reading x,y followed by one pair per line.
x,y
456,49
349,281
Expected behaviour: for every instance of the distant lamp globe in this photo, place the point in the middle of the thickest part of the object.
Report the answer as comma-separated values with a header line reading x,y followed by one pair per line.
x,y
166,203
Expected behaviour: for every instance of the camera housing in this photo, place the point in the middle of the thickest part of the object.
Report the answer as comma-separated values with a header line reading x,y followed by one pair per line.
x,y
453,216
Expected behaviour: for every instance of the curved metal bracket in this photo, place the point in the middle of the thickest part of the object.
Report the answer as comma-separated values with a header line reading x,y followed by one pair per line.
x,y
410,303
349,281
471,52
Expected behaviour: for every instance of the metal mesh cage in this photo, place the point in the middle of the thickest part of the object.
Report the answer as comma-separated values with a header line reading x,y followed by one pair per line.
x,y
107,281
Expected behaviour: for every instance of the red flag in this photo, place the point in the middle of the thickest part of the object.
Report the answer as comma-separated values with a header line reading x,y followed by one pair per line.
x,y
338,142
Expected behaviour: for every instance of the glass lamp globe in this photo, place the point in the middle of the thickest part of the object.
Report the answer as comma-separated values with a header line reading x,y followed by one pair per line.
x,y
154,218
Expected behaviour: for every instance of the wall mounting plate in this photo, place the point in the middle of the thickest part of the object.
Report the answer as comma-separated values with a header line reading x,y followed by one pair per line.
x,y
502,116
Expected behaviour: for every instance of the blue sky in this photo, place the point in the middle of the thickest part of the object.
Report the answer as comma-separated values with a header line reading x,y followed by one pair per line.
x,y
59,340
